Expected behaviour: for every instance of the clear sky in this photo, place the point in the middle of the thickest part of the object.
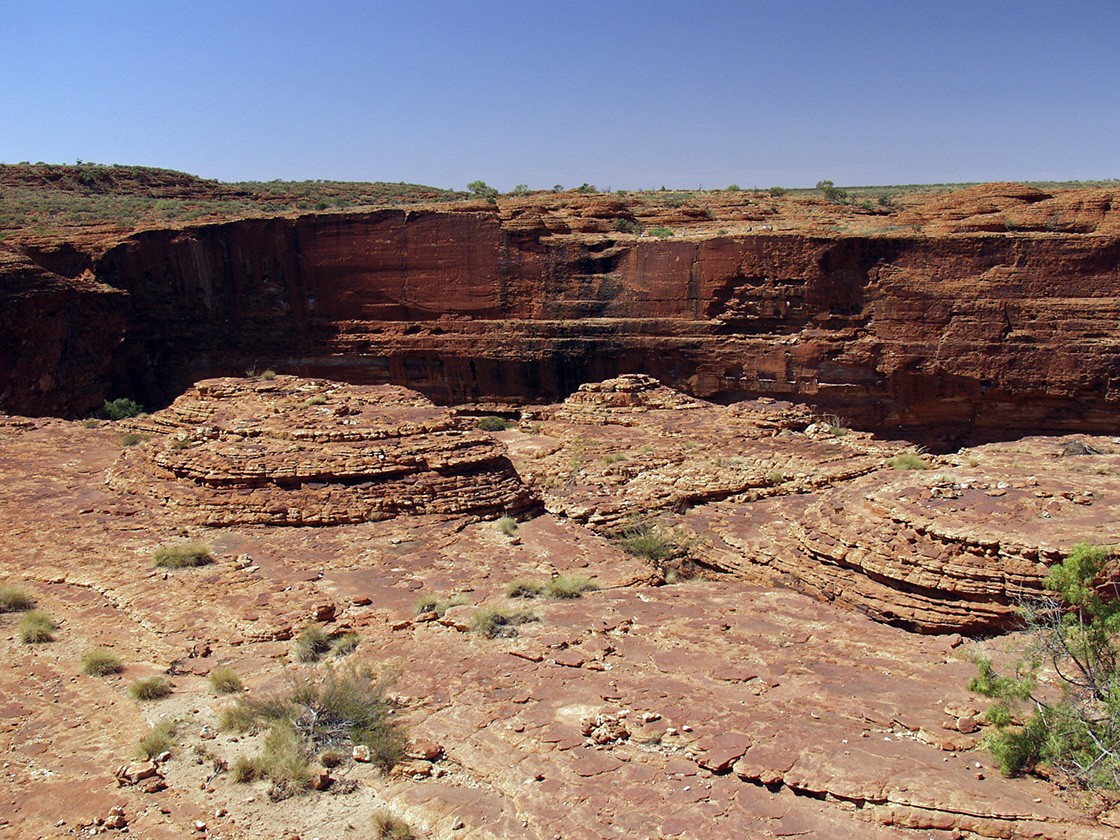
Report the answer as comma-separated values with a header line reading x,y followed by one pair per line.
x,y
623,95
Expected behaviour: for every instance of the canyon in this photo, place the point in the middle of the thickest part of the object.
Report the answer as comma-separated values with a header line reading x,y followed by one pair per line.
x,y
854,438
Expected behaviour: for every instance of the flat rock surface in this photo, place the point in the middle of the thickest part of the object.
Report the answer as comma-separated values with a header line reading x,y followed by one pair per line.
x,y
734,706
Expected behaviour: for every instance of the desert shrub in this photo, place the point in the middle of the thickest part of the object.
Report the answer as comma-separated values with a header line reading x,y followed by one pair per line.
x,y
36,628
101,662
564,587
119,409
311,643
629,226
14,599
777,192
237,718
149,688
335,708
133,438
244,769
285,760
776,477
493,424
159,739
331,758
614,457
507,525
387,827
650,540
1074,631
433,603
660,232
832,193
268,375
345,644
524,588
908,461
492,622
834,425
224,680
184,556
481,189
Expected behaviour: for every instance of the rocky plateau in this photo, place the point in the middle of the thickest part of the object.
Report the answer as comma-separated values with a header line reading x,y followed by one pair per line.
x,y
857,435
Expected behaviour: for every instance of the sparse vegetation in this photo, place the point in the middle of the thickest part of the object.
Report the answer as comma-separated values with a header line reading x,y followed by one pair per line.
x,y
494,622
629,226
345,644
650,540
908,461
244,769
36,628
493,424
159,740
387,827
776,477
832,193
564,587
507,526
133,438
336,708
1078,733
524,588
150,688
778,192
834,425
660,232
14,599
101,662
224,680
481,189
187,555
433,603
120,409
615,457
268,375
311,643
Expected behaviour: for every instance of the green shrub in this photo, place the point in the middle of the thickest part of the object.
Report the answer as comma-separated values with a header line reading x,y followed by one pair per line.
x,y
159,739
237,718
268,375
493,424
1075,633
481,189
14,599
285,759
614,457
345,644
629,226
387,827
338,707
832,193
564,587
660,232
101,662
244,769
524,588
311,643
507,525
649,540
182,556
492,622
133,438
36,628
224,680
778,192
119,409
908,461
150,688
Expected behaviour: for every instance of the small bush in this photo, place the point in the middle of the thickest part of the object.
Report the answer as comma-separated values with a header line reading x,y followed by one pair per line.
x,y
507,525
311,643
778,192
285,760
345,644
268,375
101,662
224,680
524,588
776,477
832,193
433,603
237,718
614,457
387,827
493,622
564,587
908,461
629,226
182,556
649,540
119,409
150,688
36,628
133,438
244,769
159,740
493,424
14,599
660,232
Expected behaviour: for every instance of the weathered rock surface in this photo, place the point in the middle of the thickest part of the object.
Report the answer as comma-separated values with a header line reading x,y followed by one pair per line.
x,y
289,451
980,315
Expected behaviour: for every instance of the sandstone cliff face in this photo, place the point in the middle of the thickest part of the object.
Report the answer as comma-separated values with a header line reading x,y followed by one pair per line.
x,y
974,333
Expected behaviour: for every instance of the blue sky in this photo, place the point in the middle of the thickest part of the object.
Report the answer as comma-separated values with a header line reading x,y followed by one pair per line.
x,y
623,95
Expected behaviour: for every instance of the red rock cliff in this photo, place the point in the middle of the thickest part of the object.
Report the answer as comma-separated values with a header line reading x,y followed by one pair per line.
x,y
969,331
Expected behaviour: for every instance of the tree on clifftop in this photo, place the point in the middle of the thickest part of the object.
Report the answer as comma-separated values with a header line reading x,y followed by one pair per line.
x,y
482,189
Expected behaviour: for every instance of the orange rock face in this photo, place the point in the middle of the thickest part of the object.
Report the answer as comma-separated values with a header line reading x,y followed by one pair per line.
x,y
976,315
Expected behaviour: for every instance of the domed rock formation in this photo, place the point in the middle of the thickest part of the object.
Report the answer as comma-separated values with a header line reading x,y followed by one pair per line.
x,y
291,451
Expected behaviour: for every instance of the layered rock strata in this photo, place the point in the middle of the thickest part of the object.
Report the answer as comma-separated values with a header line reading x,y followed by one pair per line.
x,y
984,314
288,451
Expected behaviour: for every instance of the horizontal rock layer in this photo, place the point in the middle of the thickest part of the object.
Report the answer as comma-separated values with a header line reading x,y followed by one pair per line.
x,y
966,334
287,451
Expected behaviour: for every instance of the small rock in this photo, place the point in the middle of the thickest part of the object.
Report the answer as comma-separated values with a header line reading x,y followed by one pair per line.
x,y
199,825
425,750
153,785
967,725
458,825
361,753
321,779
